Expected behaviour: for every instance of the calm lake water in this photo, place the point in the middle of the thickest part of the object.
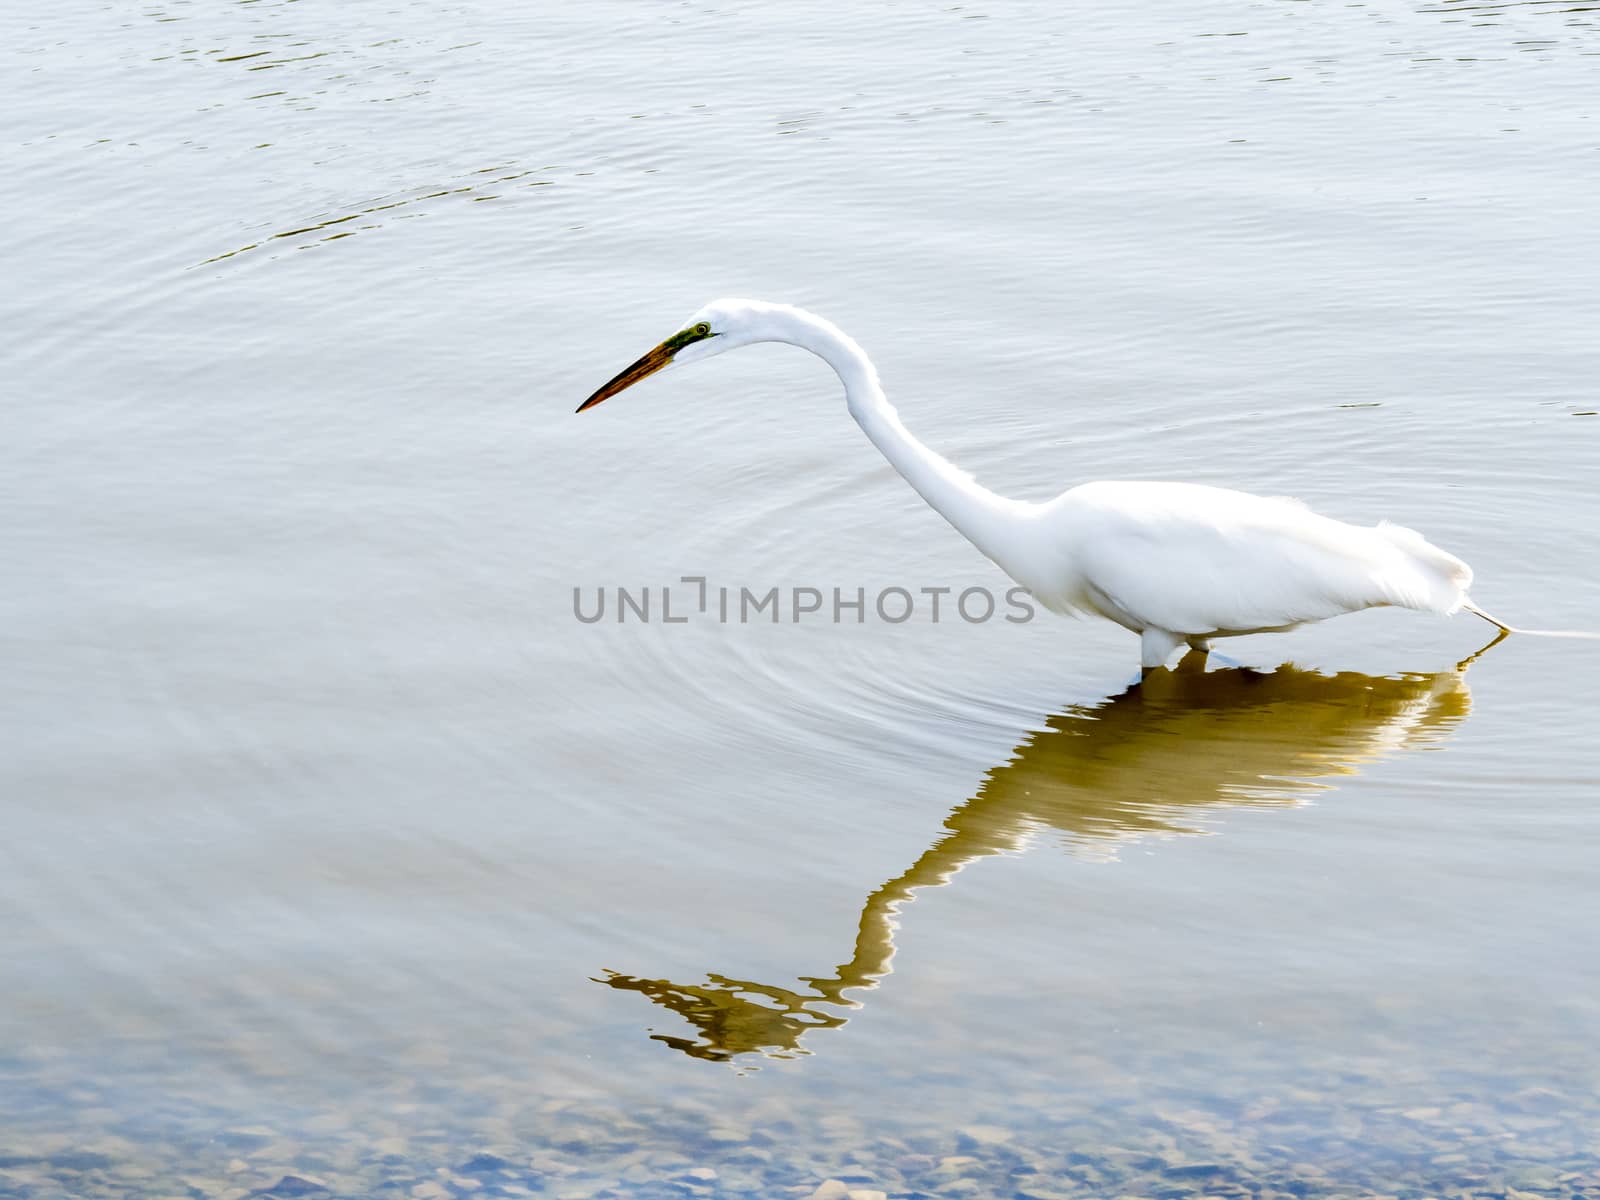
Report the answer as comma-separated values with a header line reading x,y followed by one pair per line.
x,y
342,858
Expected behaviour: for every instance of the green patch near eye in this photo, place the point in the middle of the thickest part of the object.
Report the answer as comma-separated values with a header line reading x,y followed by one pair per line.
x,y
695,333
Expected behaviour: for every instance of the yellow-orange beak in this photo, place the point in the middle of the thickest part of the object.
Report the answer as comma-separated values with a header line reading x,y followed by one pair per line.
x,y
660,357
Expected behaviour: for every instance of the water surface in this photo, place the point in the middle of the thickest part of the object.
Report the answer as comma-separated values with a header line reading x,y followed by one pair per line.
x,y
340,849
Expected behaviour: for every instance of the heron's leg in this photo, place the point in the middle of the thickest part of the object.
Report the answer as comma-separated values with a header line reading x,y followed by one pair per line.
x,y
1156,646
1201,646
1495,621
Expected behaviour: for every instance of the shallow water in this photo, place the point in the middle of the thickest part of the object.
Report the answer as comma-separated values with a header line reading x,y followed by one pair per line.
x,y
340,849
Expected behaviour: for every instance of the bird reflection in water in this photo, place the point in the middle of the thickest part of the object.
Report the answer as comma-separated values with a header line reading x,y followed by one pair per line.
x,y
1148,762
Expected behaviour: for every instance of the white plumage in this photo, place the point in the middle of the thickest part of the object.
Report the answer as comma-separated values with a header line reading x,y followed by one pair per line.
x,y
1175,563
1181,562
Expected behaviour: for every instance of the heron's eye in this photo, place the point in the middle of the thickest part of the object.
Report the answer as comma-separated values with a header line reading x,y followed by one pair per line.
x,y
701,330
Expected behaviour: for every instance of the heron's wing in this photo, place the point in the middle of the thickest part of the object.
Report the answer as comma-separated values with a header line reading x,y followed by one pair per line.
x,y
1193,559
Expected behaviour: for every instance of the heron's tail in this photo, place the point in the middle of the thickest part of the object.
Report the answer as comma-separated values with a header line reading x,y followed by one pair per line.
x,y
1561,633
1421,575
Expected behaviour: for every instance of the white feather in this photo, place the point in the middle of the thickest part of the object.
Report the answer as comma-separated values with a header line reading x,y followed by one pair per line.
x,y
1204,561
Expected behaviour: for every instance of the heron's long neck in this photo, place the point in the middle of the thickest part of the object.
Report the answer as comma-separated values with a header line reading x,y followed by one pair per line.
x,y
991,522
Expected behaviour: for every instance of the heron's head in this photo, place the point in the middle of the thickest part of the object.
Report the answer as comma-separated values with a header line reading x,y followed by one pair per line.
x,y
720,326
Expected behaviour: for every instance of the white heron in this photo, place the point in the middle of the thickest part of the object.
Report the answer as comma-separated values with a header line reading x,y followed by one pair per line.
x,y
1177,563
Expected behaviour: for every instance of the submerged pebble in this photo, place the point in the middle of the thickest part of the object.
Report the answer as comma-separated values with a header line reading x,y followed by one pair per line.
x,y
1351,1141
